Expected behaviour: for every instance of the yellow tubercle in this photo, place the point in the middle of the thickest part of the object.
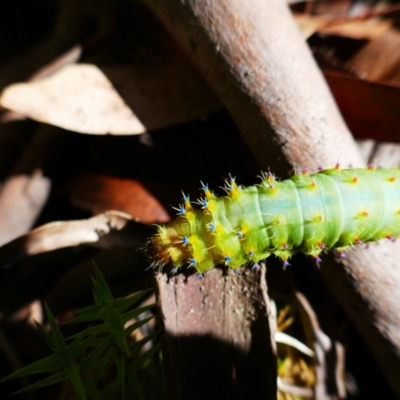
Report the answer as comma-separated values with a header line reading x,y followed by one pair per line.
x,y
208,194
211,206
219,229
318,218
234,193
177,256
198,255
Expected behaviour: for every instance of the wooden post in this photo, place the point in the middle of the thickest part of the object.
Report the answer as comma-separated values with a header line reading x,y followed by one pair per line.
x,y
218,341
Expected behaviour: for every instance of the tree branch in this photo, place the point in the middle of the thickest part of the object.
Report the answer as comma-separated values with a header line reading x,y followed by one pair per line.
x,y
254,58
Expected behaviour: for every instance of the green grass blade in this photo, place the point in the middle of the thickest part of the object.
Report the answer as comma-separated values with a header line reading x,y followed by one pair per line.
x,y
126,302
134,313
73,376
101,291
137,325
59,345
51,380
121,373
48,364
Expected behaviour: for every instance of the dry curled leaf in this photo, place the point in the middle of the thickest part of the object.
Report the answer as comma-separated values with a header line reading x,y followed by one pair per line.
x,y
379,60
70,57
99,193
78,98
119,100
358,28
355,28
309,24
112,229
372,110
21,200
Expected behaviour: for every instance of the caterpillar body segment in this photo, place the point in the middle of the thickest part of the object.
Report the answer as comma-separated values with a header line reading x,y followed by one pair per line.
x,y
332,209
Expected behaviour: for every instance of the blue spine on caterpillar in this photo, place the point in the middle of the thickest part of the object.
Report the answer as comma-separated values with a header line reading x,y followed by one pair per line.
x,y
309,213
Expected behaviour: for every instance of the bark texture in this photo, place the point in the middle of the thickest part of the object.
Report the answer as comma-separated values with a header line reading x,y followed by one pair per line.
x,y
254,58
218,343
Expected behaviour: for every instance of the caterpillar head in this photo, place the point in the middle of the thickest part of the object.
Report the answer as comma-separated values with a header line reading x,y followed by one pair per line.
x,y
169,244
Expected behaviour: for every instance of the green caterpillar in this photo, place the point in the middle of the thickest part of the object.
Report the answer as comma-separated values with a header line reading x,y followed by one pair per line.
x,y
332,209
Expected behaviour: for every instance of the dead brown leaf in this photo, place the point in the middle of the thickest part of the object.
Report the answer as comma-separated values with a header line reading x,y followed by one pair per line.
x,y
379,60
358,28
355,28
372,110
21,200
70,57
99,193
309,24
78,98
112,229
120,99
